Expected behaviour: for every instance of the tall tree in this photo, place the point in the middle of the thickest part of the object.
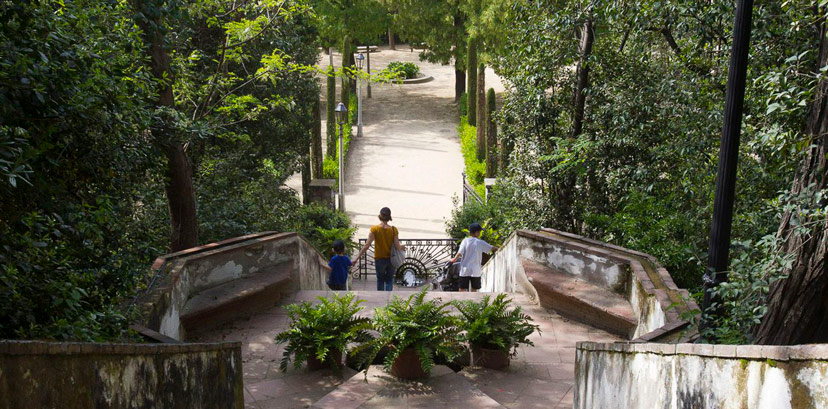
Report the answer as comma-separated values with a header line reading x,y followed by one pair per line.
x,y
480,109
179,183
440,26
471,96
491,135
798,305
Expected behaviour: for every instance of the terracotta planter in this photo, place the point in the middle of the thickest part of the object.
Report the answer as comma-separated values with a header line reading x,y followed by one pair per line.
x,y
315,364
407,365
490,358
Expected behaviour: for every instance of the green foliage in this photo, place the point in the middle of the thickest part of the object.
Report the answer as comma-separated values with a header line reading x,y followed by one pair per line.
x,y
82,146
322,226
415,323
641,174
489,323
322,330
472,212
402,70
475,169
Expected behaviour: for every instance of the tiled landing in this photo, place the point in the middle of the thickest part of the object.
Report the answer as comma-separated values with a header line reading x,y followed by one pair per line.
x,y
540,376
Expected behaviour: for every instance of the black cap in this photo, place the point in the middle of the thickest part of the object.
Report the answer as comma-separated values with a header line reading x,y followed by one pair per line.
x,y
385,214
475,227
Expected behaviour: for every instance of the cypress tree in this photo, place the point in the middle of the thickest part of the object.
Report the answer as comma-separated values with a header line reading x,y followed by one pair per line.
x,y
471,88
491,135
316,141
331,117
480,100
346,66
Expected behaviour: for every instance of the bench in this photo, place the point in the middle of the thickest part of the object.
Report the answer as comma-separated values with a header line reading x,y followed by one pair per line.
x,y
236,298
580,300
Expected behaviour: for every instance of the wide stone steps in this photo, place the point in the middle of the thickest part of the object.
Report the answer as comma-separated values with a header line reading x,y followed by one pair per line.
x,y
378,389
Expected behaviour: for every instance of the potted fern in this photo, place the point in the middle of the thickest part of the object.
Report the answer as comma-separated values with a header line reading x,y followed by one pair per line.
x,y
319,334
493,330
412,332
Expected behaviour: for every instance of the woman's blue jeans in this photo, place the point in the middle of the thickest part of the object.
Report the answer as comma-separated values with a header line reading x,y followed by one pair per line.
x,y
385,274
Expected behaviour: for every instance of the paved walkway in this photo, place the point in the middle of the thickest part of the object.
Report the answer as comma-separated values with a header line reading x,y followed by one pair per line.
x,y
541,376
409,158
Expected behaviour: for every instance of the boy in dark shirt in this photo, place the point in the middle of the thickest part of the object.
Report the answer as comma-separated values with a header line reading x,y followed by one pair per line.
x,y
339,266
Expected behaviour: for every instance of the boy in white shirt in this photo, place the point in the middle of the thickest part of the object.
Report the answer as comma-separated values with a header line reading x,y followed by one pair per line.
x,y
471,250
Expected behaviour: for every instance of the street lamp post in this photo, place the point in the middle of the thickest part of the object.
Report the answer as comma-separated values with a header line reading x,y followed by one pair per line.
x,y
341,114
359,60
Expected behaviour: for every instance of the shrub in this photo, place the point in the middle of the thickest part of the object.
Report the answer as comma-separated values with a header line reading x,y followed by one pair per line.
x,y
423,325
475,169
462,106
403,70
322,330
490,324
322,225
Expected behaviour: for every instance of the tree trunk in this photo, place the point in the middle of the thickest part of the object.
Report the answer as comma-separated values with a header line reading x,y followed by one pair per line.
x,y
481,113
179,183
491,135
392,45
587,38
306,175
459,83
316,142
471,77
798,305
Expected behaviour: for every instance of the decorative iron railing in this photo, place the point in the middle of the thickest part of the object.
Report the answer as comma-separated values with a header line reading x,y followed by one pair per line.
x,y
469,193
423,257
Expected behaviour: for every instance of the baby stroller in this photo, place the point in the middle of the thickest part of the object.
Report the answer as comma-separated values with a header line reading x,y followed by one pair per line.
x,y
448,277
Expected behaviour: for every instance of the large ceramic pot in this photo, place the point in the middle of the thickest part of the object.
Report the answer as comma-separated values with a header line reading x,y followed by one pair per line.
x,y
489,357
314,364
407,365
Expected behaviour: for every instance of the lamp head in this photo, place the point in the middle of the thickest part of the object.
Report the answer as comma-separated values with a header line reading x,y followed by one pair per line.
x,y
360,59
341,113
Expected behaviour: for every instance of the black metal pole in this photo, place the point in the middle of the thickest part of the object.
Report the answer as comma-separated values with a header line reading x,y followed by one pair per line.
x,y
717,259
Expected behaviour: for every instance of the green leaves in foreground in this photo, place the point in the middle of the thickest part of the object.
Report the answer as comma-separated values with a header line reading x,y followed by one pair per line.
x,y
490,324
322,330
423,325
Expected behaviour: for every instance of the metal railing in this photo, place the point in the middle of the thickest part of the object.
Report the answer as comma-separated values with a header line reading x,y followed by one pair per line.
x,y
423,257
469,193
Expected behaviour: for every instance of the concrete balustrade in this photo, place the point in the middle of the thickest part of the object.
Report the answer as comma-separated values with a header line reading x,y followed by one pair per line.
x,y
636,278
211,284
648,375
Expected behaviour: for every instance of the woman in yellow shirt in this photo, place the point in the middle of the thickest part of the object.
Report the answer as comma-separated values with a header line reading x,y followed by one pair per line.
x,y
385,236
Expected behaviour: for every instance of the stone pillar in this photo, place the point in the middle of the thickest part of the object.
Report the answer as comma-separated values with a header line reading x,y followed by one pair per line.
x,y
322,191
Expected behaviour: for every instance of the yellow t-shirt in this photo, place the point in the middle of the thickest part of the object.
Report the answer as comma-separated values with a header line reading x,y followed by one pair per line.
x,y
383,240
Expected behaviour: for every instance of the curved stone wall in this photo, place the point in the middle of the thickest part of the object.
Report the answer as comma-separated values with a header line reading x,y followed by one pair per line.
x,y
651,292
646,375
41,375
181,276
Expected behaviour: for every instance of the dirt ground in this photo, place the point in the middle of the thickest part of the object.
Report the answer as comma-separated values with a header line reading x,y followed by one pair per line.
x,y
409,157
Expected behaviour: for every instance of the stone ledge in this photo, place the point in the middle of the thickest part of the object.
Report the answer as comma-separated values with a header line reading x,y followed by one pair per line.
x,y
773,352
93,348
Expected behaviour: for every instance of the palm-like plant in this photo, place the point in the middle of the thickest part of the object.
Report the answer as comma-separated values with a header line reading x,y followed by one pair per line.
x,y
491,324
425,326
323,331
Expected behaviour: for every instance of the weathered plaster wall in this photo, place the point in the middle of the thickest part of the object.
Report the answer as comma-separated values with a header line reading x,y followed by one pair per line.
x,y
185,274
646,285
41,375
673,376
